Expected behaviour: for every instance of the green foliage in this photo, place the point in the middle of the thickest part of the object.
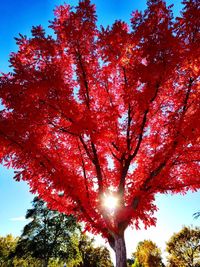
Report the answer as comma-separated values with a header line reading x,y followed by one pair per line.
x,y
184,248
7,254
147,255
51,239
27,262
49,235
93,256
7,246
136,263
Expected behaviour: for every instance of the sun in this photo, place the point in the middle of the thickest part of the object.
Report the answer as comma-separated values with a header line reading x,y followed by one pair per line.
x,y
110,202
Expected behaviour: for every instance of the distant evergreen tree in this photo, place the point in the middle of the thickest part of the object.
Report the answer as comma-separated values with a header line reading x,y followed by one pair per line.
x,y
52,239
50,234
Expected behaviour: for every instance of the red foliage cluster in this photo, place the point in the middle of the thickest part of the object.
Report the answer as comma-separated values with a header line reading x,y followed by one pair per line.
x,y
111,111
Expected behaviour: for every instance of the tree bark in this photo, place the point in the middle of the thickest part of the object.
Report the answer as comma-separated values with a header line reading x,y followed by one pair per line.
x,y
120,251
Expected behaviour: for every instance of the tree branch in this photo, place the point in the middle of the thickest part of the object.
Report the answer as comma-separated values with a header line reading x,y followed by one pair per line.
x,y
126,162
80,60
98,168
86,149
41,101
128,139
62,129
84,174
157,170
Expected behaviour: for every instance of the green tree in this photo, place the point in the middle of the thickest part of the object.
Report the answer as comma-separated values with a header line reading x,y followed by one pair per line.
x,y
25,262
7,246
7,254
93,256
184,248
147,255
49,235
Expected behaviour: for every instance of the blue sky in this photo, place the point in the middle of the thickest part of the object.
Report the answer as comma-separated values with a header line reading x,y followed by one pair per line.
x,y
17,16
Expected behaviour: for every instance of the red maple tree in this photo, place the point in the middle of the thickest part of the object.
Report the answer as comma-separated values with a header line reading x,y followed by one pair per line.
x,y
115,112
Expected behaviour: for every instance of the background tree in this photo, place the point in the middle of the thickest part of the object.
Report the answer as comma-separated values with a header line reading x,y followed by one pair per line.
x,y
184,248
92,256
148,254
92,114
7,250
50,234
7,246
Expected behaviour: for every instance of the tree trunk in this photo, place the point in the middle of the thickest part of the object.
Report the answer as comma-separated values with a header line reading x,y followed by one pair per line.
x,y
120,251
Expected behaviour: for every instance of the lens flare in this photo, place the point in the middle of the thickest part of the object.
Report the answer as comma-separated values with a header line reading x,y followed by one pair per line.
x,y
110,202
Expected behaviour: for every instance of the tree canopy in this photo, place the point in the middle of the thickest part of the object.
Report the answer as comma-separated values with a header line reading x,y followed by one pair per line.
x,y
113,112
147,255
48,235
8,257
91,255
7,246
184,248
